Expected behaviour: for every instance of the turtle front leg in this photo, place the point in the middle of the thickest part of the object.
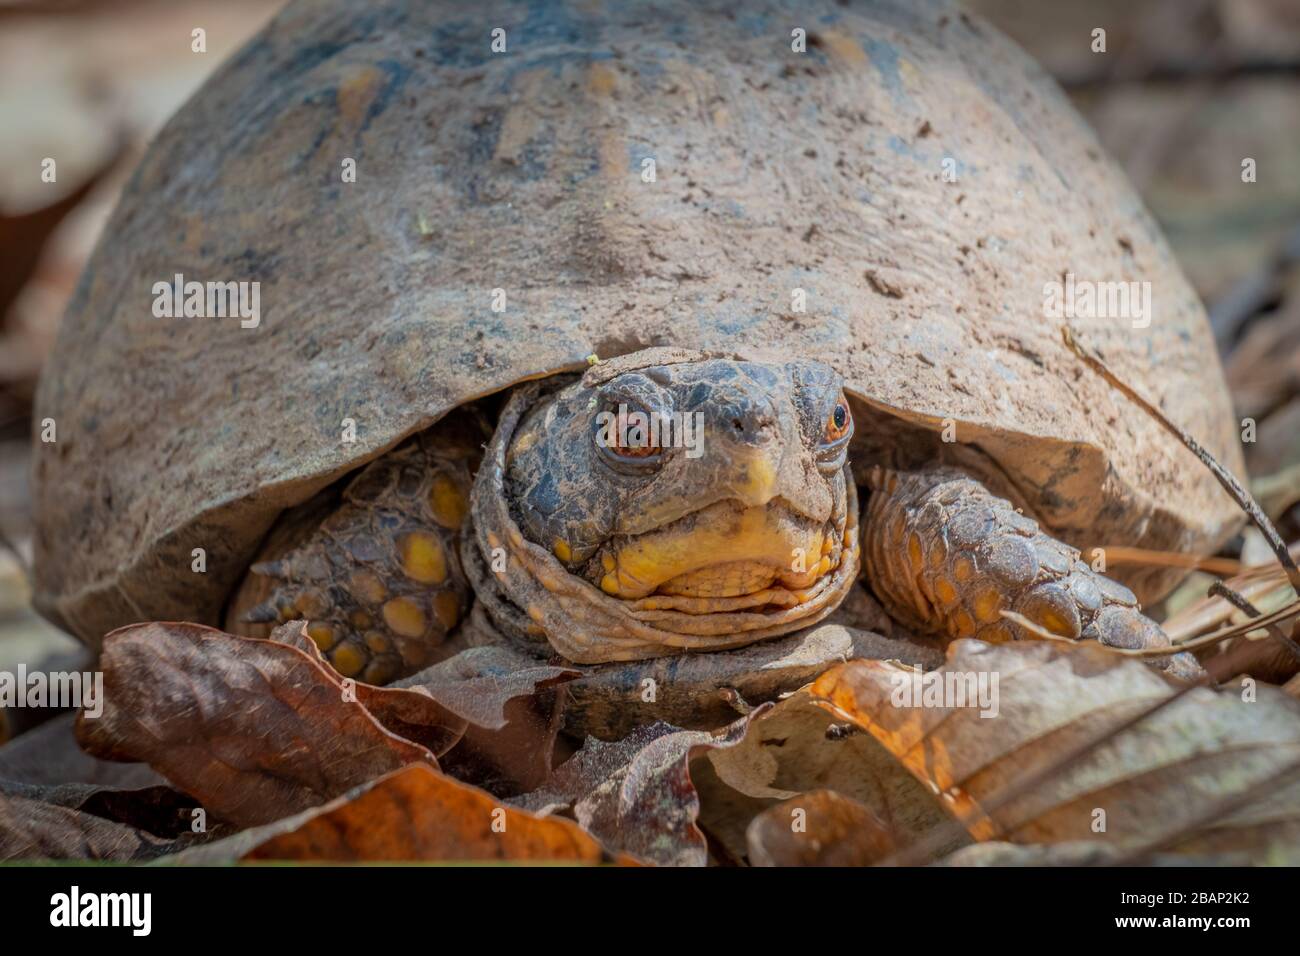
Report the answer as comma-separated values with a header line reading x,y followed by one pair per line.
x,y
947,556
376,573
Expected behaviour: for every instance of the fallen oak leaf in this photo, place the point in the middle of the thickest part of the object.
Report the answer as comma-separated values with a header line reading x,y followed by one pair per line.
x,y
479,682
34,830
492,696
49,755
512,710
797,747
412,814
253,729
637,795
412,714
160,810
818,828
1153,776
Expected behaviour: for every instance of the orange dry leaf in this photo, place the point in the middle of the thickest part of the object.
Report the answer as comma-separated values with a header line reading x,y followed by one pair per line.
x,y
418,813
1090,746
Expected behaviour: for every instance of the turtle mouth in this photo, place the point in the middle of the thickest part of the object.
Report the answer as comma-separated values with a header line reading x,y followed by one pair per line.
x,y
722,558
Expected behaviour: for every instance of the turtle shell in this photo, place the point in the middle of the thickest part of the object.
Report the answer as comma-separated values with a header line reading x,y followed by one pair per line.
x,y
621,175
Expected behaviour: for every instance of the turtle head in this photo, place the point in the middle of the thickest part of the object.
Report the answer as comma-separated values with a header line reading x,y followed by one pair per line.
x,y
672,505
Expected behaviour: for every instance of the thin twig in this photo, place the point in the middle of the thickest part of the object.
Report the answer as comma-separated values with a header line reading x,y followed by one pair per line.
x,y
1241,603
1122,554
1225,478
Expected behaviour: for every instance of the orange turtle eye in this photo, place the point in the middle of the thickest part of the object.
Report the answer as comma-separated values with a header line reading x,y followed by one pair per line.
x,y
633,438
838,423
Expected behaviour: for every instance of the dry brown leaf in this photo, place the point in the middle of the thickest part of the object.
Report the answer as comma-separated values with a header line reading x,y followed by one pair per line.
x,y
479,682
637,795
1207,773
417,813
798,747
49,755
413,714
818,828
254,729
32,830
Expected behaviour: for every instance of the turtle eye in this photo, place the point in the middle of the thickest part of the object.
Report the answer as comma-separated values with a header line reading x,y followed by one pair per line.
x,y
838,423
629,434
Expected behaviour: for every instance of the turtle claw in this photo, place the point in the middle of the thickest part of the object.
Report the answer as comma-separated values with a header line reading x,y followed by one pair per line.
x,y
264,613
271,569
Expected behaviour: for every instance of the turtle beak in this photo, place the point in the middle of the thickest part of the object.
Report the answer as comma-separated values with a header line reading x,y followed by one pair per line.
x,y
756,476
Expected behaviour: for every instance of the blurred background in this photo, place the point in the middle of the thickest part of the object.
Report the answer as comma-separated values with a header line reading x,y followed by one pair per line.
x,y
1186,90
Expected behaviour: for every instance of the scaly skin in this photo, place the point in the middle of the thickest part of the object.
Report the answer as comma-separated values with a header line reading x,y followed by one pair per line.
x,y
947,556
379,580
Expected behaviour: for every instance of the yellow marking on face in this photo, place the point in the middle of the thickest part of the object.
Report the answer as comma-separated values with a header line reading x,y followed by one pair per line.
x,y
754,535
447,502
403,616
759,486
422,557
562,550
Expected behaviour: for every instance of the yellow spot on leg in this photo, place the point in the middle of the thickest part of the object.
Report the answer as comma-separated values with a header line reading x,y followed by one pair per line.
x,y
366,586
348,660
323,635
446,609
380,671
447,502
403,616
422,557
562,550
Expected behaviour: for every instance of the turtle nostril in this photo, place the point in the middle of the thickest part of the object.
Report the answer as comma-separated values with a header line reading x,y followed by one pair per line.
x,y
738,425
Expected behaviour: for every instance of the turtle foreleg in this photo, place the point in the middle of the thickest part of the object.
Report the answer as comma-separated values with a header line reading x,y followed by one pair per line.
x,y
378,577
947,556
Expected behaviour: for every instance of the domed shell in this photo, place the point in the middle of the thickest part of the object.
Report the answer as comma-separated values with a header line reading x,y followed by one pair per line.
x,y
434,211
